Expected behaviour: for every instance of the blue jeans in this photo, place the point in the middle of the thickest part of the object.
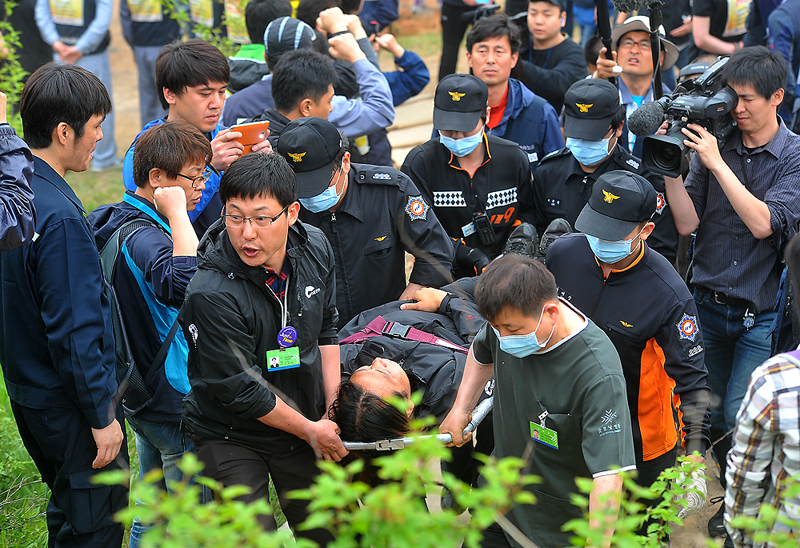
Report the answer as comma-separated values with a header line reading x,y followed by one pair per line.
x,y
160,445
732,353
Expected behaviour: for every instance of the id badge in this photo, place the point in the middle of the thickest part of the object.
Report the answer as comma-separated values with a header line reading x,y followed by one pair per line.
x,y
468,229
284,358
544,435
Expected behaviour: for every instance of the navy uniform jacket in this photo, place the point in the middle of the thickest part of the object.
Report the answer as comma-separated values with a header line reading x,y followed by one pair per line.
x,y
561,188
17,216
650,316
381,216
150,285
56,342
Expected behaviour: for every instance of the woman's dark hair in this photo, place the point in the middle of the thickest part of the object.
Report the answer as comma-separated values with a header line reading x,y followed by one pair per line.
x,y
60,93
191,63
763,69
255,175
363,416
169,147
515,281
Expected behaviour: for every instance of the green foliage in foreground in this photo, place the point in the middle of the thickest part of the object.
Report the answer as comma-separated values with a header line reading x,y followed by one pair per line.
x,y
392,514
23,497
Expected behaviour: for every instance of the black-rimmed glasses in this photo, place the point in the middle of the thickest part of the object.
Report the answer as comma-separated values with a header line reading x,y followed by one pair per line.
x,y
259,221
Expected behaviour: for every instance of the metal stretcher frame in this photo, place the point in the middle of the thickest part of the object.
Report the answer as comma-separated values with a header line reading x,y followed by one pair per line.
x,y
480,412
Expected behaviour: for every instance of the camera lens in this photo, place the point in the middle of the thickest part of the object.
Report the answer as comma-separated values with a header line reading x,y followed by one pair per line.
x,y
667,157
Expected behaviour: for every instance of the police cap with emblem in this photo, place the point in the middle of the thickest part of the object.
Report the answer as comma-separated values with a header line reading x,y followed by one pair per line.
x,y
459,102
620,201
589,107
310,145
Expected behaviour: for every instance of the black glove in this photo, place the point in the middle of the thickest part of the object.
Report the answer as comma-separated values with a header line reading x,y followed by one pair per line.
x,y
470,256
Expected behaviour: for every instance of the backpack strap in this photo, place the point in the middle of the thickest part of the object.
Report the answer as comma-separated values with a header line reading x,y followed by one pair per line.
x,y
379,326
108,260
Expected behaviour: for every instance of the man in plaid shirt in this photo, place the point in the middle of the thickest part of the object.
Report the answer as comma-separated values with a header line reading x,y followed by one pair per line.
x,y
766,441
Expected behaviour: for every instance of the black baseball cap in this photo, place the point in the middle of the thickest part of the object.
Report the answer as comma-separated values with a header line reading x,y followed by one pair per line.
x,y
620,201
310,145
286,34
589,107
459,102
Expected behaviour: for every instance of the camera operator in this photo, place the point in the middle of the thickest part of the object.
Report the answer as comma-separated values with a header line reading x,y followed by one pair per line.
x,y
742,200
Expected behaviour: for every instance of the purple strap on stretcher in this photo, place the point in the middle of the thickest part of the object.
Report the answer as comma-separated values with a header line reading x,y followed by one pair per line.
x,y
379,326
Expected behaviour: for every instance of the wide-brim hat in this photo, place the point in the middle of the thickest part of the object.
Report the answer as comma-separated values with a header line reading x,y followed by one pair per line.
x,y
642,23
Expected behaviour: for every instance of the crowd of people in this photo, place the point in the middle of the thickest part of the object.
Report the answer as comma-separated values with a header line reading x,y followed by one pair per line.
x,y
249,302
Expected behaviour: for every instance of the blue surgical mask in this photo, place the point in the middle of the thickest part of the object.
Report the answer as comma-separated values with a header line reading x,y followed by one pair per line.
x,y
322,202
521,346
611,252
461,147
587,152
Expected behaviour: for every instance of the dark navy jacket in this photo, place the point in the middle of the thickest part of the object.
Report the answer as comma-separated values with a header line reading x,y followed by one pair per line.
x,y
531,122
784,38
408,82
145,29
17,216
150,285
56,341
249,102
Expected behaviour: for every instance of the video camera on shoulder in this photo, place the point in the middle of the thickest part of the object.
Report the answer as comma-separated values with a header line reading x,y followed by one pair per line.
x,y
703,101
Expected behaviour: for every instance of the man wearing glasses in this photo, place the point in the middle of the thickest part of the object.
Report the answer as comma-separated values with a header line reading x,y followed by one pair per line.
x,y
371,215
260,320
154,266
634,57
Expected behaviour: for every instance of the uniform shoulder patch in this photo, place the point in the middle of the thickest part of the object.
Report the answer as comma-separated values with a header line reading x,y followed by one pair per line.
x,y
378,176
555,153
687,328
661,202
416,208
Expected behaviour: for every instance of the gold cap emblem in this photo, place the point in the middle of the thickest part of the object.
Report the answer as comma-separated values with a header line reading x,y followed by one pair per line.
x,y
296,157
608,197
584,108
456,95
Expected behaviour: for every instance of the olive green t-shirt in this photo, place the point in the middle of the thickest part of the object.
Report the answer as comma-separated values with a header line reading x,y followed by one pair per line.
x,y
579,383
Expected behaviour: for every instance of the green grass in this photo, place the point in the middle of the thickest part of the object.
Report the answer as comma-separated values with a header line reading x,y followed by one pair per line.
x,y
23,497
425,45
95,189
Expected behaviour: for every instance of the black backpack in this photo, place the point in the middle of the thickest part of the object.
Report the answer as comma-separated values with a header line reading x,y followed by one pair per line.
x,y
134,389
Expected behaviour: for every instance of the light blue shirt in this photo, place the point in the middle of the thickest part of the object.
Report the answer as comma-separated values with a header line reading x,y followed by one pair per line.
x,y
89,40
